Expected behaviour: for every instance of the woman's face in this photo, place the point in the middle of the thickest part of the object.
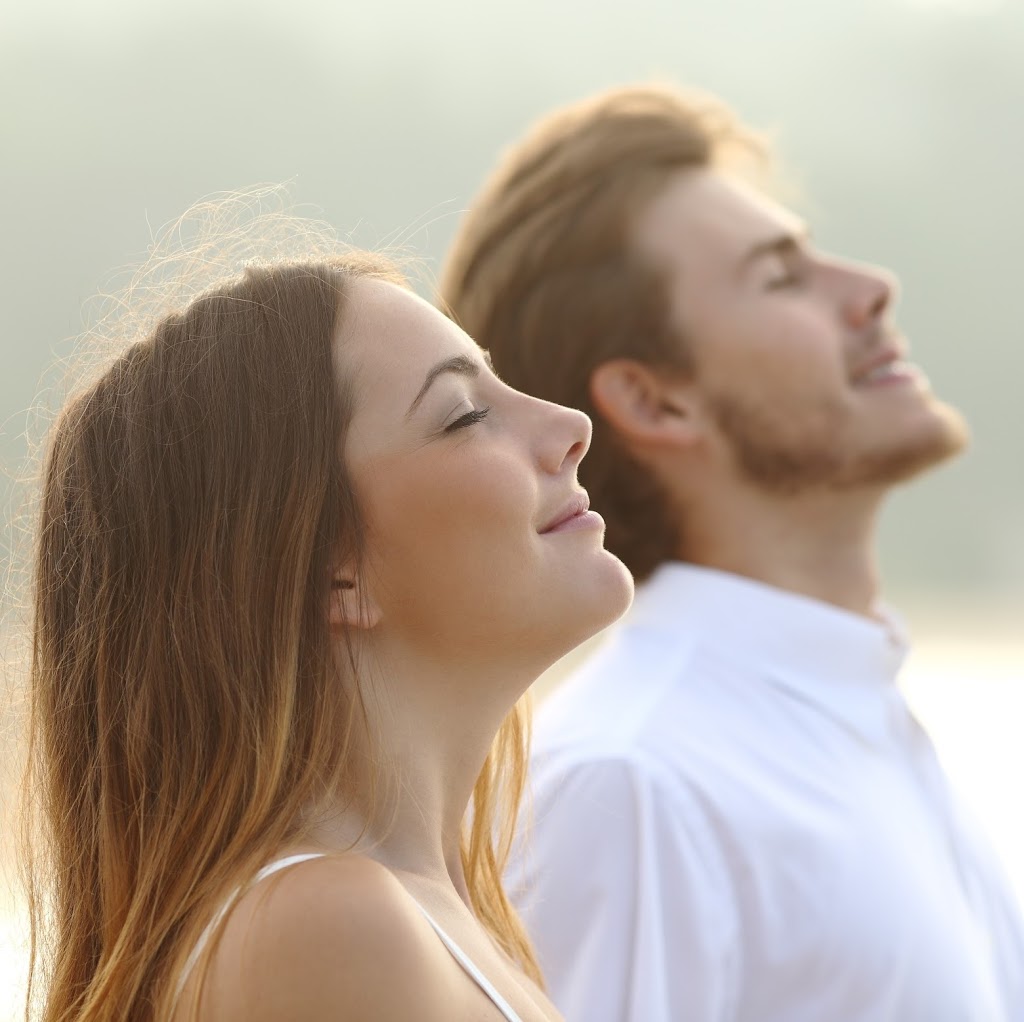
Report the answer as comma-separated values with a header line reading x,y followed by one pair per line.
x,y
476,549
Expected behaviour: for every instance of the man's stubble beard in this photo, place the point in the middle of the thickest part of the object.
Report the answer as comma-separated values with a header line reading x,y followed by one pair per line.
x,y
772,452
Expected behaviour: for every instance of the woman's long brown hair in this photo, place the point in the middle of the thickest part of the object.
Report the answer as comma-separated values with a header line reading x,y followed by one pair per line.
x,y
185,703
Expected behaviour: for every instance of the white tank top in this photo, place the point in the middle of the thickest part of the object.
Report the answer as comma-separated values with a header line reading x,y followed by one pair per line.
x,y
457,953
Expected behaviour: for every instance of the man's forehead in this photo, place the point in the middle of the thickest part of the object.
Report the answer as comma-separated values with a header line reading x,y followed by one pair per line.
x,y
709,215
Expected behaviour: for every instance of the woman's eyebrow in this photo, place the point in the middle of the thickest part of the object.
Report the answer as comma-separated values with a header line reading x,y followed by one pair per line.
x,y
462,365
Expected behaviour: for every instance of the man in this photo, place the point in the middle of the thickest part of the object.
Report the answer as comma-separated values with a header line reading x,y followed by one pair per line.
x,y
735,817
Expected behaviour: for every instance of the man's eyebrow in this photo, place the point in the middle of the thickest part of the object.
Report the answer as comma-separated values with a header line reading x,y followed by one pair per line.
x,y
780,244
462,365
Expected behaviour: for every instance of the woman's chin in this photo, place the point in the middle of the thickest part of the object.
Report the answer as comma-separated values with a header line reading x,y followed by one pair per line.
x,y
619,595
598,601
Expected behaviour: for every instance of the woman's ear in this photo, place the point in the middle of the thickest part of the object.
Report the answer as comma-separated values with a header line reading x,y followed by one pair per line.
x,y
646,406
350,605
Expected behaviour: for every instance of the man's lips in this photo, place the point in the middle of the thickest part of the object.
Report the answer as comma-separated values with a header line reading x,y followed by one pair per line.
x,y
887,365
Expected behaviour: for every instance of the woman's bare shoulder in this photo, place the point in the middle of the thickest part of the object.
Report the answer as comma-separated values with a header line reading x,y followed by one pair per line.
x,y
332,938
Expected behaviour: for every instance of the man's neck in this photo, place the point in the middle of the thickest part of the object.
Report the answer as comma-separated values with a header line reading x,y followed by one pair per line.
x,y
819,545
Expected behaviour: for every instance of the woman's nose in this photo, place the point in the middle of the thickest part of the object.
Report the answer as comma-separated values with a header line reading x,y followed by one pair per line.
x,y
565,438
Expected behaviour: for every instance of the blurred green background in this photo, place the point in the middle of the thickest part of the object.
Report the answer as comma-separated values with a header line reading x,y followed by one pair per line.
x,y
900,121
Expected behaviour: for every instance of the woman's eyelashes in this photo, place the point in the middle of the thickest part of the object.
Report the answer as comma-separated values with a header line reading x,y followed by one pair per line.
x,y
469,419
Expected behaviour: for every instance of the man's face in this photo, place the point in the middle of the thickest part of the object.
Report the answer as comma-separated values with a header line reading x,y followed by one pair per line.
x,y
797,365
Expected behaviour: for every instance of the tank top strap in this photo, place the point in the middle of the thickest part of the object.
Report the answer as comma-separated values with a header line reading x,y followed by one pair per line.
x,y
288,860
292,860
471,968
204,937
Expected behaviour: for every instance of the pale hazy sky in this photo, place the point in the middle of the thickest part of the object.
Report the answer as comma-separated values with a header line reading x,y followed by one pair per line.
x,y
899,118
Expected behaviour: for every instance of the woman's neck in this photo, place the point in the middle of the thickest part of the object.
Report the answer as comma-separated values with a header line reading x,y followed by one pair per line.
x,y
431,729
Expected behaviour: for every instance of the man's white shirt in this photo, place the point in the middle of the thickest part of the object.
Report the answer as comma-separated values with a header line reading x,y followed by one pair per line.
x,y
735,818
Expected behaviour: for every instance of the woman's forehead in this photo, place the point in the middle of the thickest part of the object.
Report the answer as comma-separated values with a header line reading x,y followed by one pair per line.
x,y
387,325
388,342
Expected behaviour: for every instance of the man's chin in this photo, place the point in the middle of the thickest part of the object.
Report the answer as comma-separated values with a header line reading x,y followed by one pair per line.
x,y
941,438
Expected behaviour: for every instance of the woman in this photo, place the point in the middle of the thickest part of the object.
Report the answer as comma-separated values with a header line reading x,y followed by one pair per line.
x,y
301,552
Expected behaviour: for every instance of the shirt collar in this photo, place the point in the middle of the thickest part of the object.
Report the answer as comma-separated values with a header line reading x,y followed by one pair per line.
x,y
844,662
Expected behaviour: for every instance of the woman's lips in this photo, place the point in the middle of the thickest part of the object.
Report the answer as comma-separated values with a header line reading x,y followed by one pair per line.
x,y
577,507
583,520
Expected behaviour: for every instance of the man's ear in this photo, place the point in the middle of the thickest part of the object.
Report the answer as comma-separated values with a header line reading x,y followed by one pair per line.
x,y
646,406
351,606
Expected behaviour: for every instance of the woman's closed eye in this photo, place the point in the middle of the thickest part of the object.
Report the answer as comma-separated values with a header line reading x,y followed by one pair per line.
x,y
469,419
